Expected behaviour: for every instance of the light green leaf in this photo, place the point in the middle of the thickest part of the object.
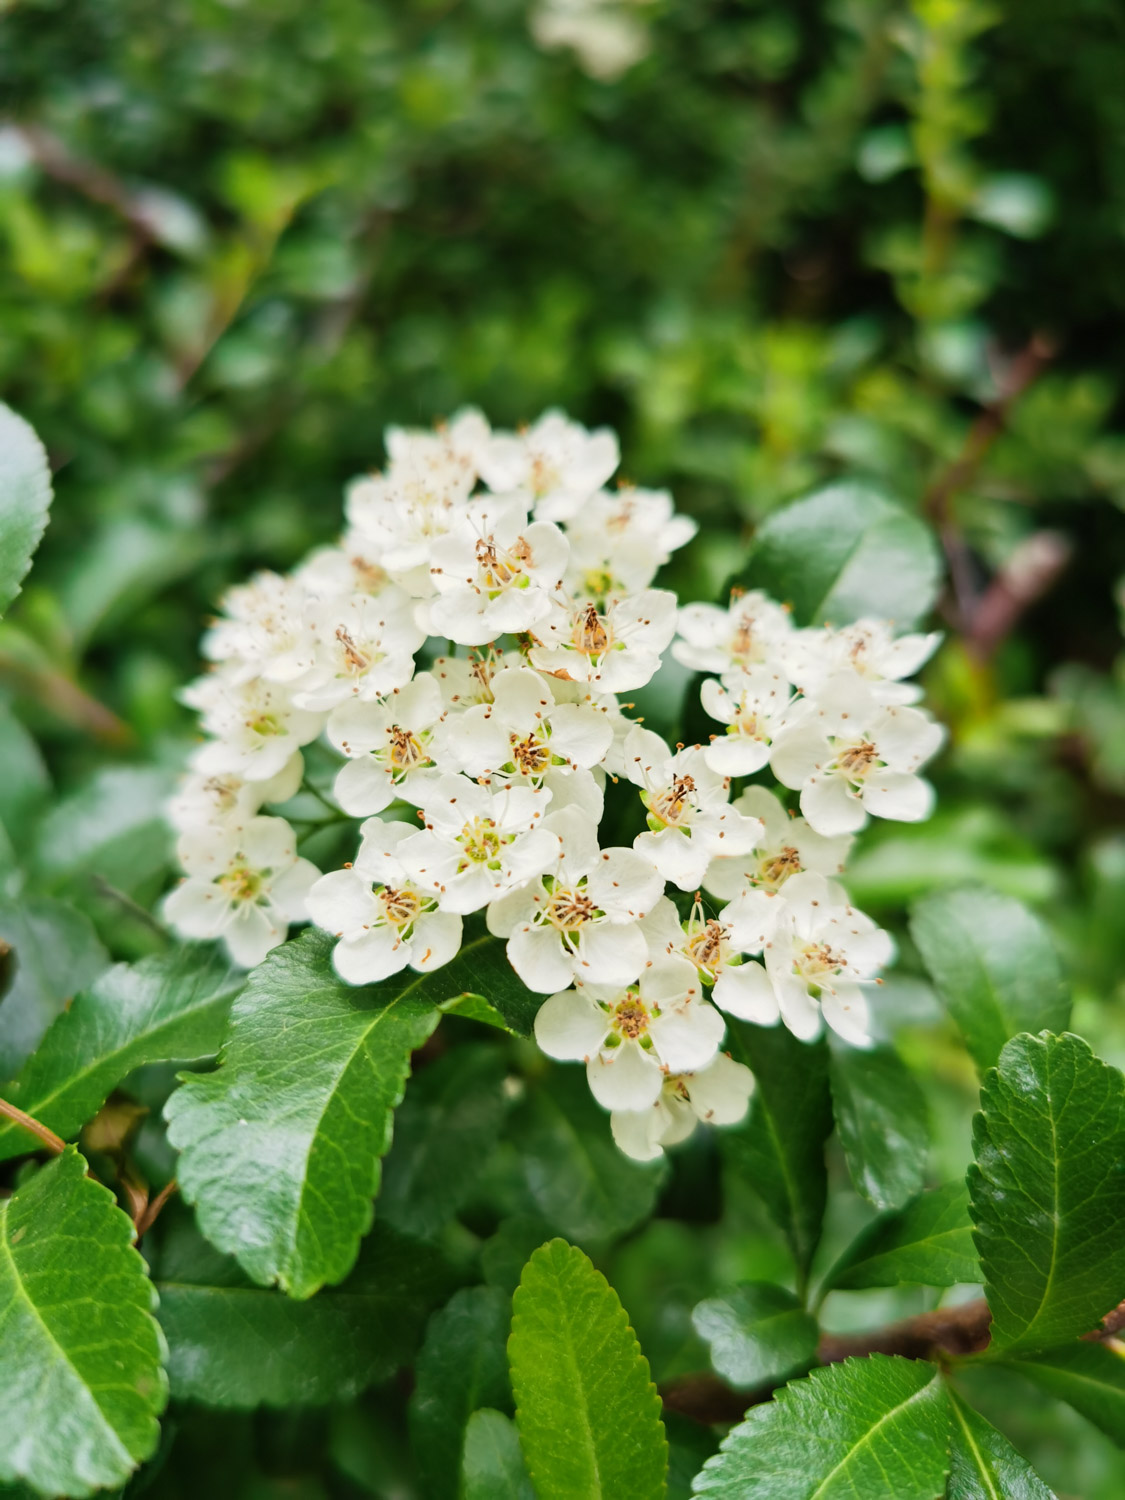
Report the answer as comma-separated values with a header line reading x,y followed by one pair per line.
x,y
462,1366
882,1122
984,1465
492,1466
1048,1191
779,1148
844,553
588,1414
929,1242
875,1426
1086,1375
25,498
79,1347
759,1334
55,952
281,1145
172,1006
994,965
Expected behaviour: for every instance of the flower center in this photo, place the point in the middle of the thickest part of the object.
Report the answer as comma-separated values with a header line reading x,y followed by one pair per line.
x,y
265,725
778,866
591,632
405,752
817,959
742,646
480,840
400,907
630,1019
530,756
671,805
568,910
499,566
354,657
241,883
858,760
705,948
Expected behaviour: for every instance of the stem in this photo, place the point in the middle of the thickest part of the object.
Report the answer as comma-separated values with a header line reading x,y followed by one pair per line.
x,y
149,1215
53,1142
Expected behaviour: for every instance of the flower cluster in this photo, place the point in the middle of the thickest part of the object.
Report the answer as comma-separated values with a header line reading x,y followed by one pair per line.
x,y
480,767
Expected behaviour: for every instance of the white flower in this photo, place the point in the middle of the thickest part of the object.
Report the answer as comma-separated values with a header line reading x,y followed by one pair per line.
x,y
228,798
689,818
262,632
478,844
256,726
244,884
582,919
850,756
631,1037
465,681
389,745
362,646
604,37
444,460
868,648
557,460
713,639
818,951
383,921
350,568
787,846
754,705
718,1094
495,574
710,944
614,650
619,541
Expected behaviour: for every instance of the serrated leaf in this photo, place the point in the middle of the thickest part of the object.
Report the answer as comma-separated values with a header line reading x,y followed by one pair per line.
x,y
984,1465
875,1426
492,1466
587,1411
79,1347
1086,1375
462,1366
55,952
994,965
25,499
281,1145
844,553
1048,1191
171,1006
928,1242
759,1334
779,1147
882,1122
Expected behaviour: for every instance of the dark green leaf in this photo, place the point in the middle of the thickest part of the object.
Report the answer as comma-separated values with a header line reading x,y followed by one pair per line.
x,y
779,1148
492,1466
281,1146
868,1427
930,1242
845,553
759,1334
994,965
1048,1191
588,1414
112,829
882,1123
25,498
170,1006
25,782
1086,1375
79,1347
462,1366
481,972
984,1465
55,953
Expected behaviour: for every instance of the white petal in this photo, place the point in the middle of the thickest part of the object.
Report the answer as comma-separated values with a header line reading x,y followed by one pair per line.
x,y
611,953
570,1026
509,910
363,787
197,909
746,991
538,957
582,735
624,883
751,917
721,1092
897,795
831,807
799,753
268,843
681,860
845,1009
627,1079
289,893
736,754
688,1037
799,1010
251,934
638,1132
436,940
375,955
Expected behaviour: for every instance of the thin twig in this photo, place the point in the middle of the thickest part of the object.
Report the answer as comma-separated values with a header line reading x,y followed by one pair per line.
x,y
53,1142
148,1217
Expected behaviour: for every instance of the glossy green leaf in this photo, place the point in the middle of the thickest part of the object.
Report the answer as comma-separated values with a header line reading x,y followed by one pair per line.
x,y
983,1464
281,1145
845,553
994,965
55,952
171,1006
463,1366
779,1148
1086,1375
492,1466
79,1347
759,1334
25,499
929,1242
877,1426
1048,1191
587,1411
882,1122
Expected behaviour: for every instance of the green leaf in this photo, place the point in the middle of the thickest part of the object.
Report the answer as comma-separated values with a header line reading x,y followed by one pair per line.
x,y
929,1242
882,1122
984,1465
462,1366
875,1426
79,1347
492,1467
25,498
845,553
172,1006
112,829
1048,1191
1086,1375
588,1414
55,953
779,1148
25,783
994,965
759,1334
281,1145
480,979
583,1186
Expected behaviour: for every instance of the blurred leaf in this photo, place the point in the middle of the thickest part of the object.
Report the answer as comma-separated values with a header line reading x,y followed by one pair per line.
x,y
587,1411
112,827
25,784
1088,1376
129,562
25,498
984,1465
882,1122
1014,202
492,1466
759,1334
54,954
928,1242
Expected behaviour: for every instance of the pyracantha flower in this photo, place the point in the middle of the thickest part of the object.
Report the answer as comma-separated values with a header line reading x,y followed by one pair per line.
x,y
620,540
363,647
350,568
256,726
787,846
557,460
612,650
718,1094
754,705
465,681
869,648
709,944
228,798
443,460
713,639
262,632
389,745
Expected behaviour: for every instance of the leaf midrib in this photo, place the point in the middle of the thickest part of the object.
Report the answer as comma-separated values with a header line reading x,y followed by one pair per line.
x,y
993,1492
867,1436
